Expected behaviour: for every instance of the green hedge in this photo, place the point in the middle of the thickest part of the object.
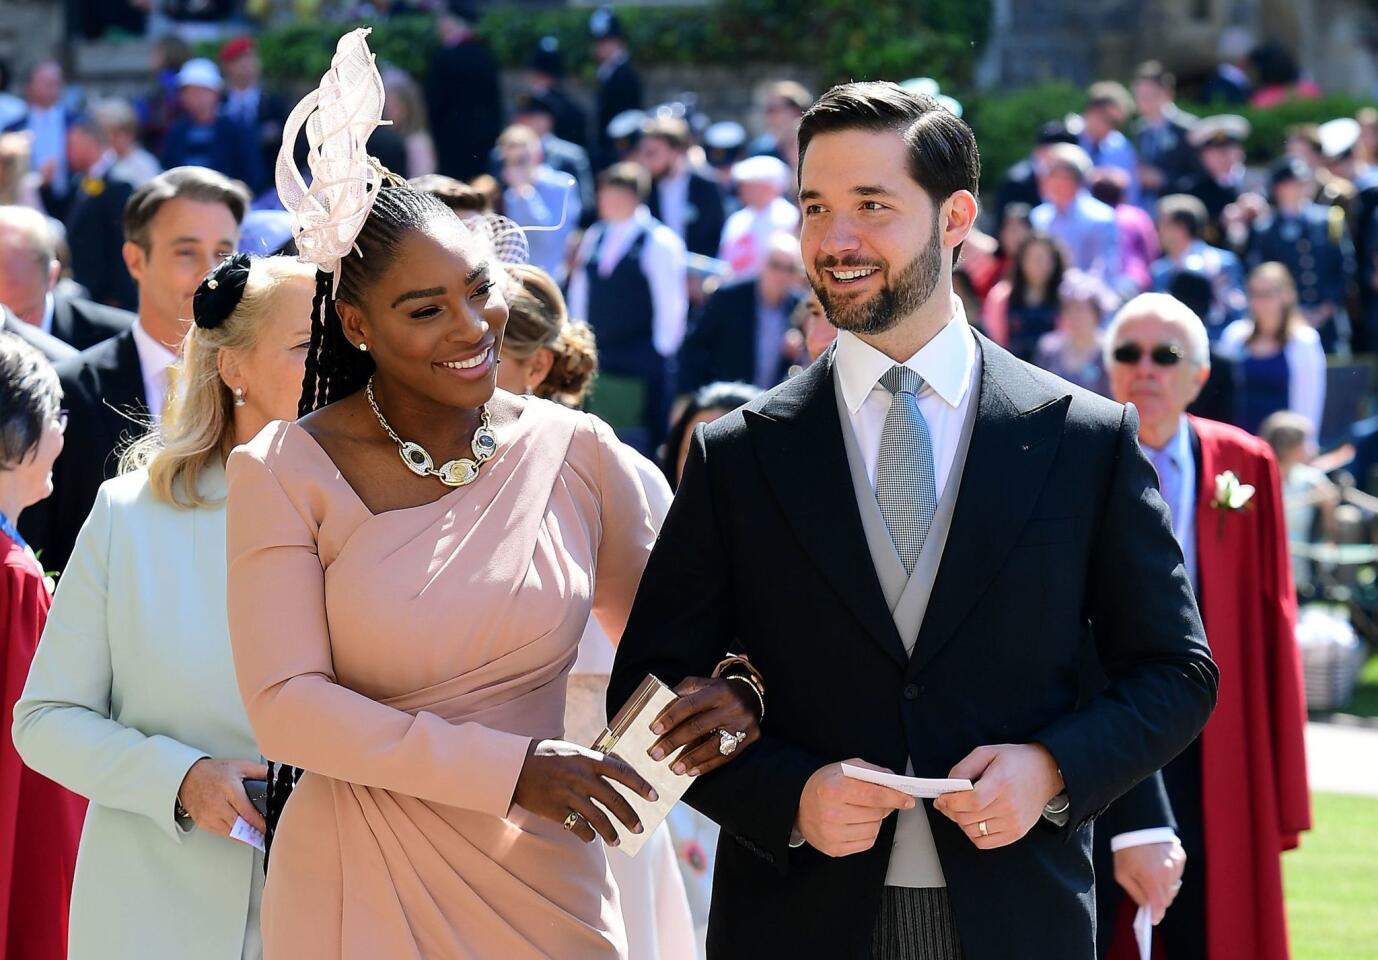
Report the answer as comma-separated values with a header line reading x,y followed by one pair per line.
x,y
938,38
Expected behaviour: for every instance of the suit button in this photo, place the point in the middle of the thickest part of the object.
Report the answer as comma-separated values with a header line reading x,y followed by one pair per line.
x,y
911,692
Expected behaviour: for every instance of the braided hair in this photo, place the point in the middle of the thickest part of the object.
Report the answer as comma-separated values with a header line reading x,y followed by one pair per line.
x,y
334,368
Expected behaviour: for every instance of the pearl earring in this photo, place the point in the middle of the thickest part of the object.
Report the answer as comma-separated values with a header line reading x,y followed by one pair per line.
x,y
363,347
239,400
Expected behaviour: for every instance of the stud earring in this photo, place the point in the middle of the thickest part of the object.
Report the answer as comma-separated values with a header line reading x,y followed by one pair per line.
x,y
239,400
363,347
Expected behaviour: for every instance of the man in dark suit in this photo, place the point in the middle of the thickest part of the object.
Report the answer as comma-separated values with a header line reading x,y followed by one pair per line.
x,y
1219,175
545,77
259,112
739,335
177,226
913,541
681,198
1160,137
204,135
94,215
463,97
29,272
619,85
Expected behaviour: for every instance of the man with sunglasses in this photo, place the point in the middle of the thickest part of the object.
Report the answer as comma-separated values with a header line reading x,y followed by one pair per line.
x,y
1237,796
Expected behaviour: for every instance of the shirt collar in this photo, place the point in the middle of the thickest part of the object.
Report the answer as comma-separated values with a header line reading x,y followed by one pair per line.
x,y
49,308
1178,448
944,362
153,356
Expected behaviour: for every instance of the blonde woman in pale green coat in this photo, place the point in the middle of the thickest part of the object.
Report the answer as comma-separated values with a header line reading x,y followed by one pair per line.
x,y
131,700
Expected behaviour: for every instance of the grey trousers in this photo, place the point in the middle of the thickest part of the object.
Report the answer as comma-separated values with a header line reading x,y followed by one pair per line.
x,y
915,924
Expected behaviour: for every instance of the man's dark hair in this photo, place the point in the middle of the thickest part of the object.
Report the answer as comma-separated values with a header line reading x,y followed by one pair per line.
x,y
186,183
1186,211
943,158
627,176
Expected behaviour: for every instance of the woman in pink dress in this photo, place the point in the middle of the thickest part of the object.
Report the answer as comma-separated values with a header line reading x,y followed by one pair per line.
x,y
403,626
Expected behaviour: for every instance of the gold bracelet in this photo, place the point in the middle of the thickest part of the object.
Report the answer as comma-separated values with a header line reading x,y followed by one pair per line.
x,y
750,682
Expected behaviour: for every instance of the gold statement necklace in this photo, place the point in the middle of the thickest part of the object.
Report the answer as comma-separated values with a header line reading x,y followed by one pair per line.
x,y
454,473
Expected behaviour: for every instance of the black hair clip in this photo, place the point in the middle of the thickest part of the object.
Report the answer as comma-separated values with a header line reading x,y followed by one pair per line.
x,y
221,291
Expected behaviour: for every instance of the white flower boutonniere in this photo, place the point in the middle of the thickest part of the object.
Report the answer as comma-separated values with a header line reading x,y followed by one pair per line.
x,y
1231,496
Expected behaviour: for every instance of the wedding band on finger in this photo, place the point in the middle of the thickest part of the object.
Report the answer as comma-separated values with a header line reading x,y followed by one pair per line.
x,y
985,830
573,819
729,742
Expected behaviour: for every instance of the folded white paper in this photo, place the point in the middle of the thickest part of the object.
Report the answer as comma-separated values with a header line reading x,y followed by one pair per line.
x,y
1143,931
244,833
921,787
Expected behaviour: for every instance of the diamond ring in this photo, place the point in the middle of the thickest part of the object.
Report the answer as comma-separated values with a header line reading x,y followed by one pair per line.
x,y
729,742
573,818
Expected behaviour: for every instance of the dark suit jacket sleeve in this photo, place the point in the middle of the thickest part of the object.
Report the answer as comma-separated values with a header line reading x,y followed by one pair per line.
x,y
681,625
1144,807
1149,640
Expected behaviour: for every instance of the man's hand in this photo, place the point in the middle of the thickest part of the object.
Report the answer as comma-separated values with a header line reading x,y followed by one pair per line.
x,y
1151,874
1014,781
840,816
212,792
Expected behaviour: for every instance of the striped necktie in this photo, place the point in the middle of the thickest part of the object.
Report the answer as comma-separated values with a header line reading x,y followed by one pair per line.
x,y
906,486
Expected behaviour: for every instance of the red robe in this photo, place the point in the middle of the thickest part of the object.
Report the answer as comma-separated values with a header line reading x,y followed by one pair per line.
x,y
40,822
1254,796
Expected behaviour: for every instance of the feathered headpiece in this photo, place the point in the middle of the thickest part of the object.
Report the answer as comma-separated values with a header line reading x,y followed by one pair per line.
x,y
339,116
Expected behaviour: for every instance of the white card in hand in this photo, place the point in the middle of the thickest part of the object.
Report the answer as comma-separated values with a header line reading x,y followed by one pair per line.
x,y
926,789
244,833
1143,931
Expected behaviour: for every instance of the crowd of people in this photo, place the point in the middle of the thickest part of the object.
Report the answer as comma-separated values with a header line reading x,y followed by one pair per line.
x,y
154,315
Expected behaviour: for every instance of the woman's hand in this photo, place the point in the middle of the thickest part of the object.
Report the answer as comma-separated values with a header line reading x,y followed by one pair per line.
x,y
561,778
704,708
213,794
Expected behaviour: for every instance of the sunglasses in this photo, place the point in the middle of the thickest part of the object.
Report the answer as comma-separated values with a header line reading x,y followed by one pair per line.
x,y
1163,355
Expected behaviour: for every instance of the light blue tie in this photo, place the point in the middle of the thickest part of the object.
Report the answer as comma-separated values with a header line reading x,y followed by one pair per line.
x,y
906,488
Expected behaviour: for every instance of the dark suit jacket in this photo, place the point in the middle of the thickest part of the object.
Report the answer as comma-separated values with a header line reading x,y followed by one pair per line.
x,y
84,323
621,91
464,103
1058,528
103,391
705,216
233,151
51,347
95,235
721,343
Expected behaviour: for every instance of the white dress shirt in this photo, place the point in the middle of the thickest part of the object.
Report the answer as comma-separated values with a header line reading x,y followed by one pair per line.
x,y
154,360
662,261
947,364
49,309
49,129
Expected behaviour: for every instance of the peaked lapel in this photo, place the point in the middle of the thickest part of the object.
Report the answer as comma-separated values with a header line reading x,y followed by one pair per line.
x,y
798,440
1013,444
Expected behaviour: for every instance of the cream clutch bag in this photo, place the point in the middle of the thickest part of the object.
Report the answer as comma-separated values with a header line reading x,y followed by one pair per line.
x,y
628,737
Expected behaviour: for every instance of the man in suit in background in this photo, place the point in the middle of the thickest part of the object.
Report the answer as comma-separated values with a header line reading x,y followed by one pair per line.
x,y
537,111
177,227
914,541
29,271
740,333
204,135
94,216
545,76
681,198
1160,137
1237,797
619,85
463,96
259,112
46,118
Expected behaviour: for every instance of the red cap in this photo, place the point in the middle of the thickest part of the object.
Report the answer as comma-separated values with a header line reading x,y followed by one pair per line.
x,y
236,48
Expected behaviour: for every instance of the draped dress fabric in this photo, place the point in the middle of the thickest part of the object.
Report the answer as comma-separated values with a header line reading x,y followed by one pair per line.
x,y
406,660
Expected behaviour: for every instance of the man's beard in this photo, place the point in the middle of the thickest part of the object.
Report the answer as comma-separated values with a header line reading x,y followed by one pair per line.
x,y
898,298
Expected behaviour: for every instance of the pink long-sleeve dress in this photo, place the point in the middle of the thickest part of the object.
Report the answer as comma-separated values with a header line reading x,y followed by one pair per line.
x,y
405,660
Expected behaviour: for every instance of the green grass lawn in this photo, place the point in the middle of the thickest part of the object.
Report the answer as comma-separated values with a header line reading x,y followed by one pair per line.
x,y
1332,881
